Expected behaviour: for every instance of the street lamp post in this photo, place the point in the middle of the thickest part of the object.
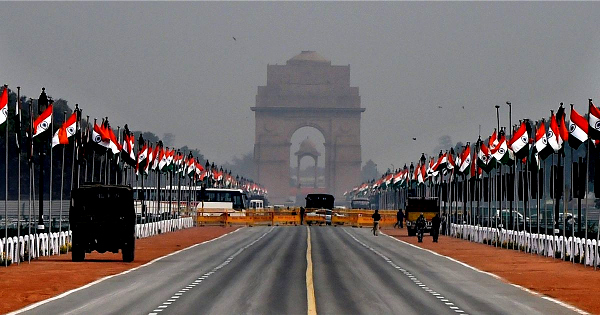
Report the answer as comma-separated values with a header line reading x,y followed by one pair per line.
x,y
512,170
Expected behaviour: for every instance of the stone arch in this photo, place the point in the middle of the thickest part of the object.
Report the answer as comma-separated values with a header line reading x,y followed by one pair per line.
x,y
299,125
307,92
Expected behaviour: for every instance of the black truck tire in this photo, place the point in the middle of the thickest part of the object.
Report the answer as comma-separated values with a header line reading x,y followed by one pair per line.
x,y
78,253
128,250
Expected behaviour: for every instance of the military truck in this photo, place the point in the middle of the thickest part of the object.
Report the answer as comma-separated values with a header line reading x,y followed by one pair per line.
x,y
319,208
102,218
414,207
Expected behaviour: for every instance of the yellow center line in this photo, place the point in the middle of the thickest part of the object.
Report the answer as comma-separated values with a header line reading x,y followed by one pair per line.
x,y
310,288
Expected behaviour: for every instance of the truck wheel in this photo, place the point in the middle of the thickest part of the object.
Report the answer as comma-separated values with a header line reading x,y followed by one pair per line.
x,y
128,251
77,254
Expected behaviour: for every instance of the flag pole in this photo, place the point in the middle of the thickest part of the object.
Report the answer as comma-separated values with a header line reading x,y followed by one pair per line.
x,y
50,197
94,158
85,143
62,186
587,170
540,181
6,184
30,160
18,138
117,169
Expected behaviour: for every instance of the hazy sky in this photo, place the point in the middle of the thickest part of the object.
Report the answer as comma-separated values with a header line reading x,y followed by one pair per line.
x,y
174,67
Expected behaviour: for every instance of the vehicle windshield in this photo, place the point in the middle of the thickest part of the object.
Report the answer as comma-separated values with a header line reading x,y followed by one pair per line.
x,y
360,204
316,201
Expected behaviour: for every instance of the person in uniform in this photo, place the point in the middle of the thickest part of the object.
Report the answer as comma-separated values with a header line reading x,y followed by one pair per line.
x,y
376,217
435,227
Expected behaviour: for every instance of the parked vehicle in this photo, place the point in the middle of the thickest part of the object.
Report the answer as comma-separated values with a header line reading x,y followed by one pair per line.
x,y
103,219
414,207
319,208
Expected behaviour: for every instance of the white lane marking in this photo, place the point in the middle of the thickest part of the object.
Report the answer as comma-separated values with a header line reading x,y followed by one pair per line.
x,y
60,296
561,303
215,269
406,273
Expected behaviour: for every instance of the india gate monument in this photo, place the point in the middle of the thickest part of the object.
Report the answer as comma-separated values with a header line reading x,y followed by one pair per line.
x,y
307,92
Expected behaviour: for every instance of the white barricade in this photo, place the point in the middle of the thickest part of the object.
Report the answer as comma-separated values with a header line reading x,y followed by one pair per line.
x,y
44,244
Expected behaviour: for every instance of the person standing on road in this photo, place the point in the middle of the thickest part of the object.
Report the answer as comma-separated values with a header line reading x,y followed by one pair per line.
x,y
421,224
435,227
302,215
400,219
376,217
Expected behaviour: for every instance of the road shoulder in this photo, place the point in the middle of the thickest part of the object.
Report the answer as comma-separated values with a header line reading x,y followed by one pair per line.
x,y
573,284
50,276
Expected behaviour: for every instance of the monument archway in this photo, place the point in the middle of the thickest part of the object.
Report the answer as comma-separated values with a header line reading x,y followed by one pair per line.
x,y
307,92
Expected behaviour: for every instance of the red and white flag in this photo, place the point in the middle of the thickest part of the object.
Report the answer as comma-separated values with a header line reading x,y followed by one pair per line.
x,y
554,139
4,105
43,122
493,142
127,148
67,130
465,159
578,129
101,136
520,142
594,121
114,145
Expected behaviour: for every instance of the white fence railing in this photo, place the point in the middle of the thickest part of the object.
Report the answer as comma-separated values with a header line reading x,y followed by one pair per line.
x,y
571,248
46,244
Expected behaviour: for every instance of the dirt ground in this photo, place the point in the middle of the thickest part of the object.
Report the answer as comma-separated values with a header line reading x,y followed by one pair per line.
x,y
573,284
49,276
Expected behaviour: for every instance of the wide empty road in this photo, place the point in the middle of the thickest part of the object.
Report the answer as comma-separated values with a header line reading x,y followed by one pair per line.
x,y
265,270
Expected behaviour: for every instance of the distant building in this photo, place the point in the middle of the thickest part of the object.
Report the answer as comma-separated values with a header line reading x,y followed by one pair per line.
x,y
307,91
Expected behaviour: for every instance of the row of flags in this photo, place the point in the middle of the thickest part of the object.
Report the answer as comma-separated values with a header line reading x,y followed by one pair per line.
x,y
530,142
146,157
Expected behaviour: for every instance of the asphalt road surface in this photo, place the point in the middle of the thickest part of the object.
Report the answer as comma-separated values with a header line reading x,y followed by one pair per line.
x,y
265,270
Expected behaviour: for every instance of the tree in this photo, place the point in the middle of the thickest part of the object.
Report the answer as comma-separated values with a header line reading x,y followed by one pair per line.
x,y
148,136
444,143
369,171
169,139
243,166
195,152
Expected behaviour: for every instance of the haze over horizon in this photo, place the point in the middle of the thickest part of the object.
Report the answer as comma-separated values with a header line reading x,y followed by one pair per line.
x,y
176,67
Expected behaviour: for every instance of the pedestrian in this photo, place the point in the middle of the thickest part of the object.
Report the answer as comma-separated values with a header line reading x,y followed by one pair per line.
x,y
435,227
399,219
302,215
421,223
376,217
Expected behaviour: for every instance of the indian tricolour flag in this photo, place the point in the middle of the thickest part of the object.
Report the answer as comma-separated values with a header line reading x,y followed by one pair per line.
x,y
520,142
594,122
578,129
502,153
465,159
4,105
541,142
43,122
554,139
67,130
